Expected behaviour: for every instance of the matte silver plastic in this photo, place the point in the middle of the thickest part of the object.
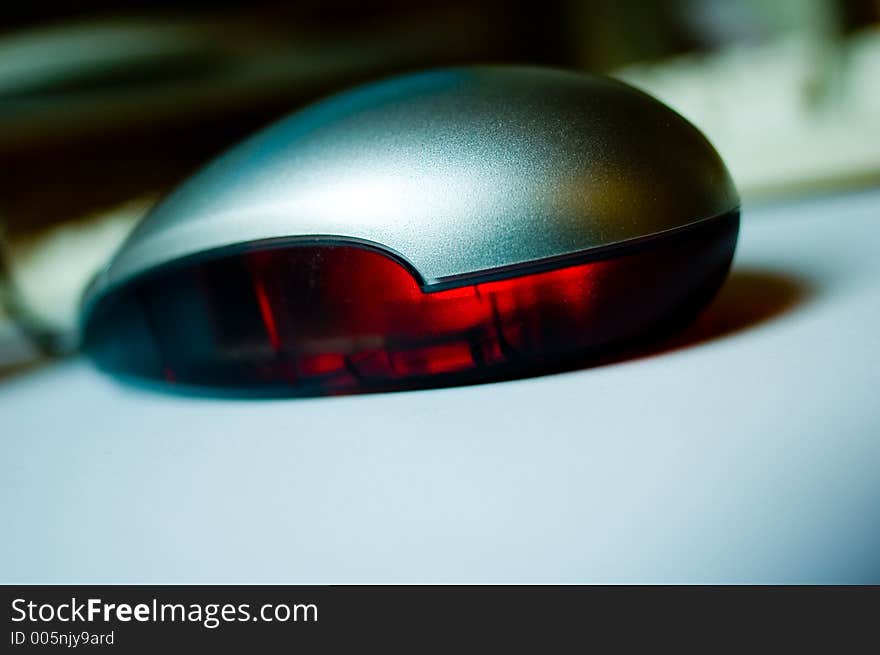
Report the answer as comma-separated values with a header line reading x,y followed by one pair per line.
x,y
456,171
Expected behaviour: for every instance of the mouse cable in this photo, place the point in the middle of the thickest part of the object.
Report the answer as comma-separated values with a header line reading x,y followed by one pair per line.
x,y
48,340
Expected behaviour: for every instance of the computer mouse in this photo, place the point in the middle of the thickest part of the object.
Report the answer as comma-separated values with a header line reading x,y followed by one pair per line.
x,y
436,228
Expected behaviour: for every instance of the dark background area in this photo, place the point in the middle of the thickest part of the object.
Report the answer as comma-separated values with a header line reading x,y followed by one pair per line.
x,y
93,134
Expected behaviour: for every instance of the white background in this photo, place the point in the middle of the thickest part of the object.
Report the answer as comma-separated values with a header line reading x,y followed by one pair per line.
x,y
746,451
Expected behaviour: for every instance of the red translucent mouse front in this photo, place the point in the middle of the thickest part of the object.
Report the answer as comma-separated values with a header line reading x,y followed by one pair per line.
x,y
312,319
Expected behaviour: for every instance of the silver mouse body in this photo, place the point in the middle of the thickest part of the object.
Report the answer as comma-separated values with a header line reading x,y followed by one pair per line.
x,y
460,176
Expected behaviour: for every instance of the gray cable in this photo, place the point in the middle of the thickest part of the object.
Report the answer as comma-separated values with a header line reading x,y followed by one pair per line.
x,y
49,340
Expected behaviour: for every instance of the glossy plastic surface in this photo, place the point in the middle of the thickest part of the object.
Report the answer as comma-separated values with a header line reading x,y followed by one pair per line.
x,y
457,170
318,319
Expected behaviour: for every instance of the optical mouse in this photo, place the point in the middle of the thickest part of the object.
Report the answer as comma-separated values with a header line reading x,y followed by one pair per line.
x,y
435,228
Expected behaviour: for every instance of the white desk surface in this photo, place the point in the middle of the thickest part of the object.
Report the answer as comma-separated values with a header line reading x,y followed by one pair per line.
x,y
749,453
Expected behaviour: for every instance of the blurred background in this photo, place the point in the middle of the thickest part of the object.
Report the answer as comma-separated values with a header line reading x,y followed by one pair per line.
x,y
106,105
